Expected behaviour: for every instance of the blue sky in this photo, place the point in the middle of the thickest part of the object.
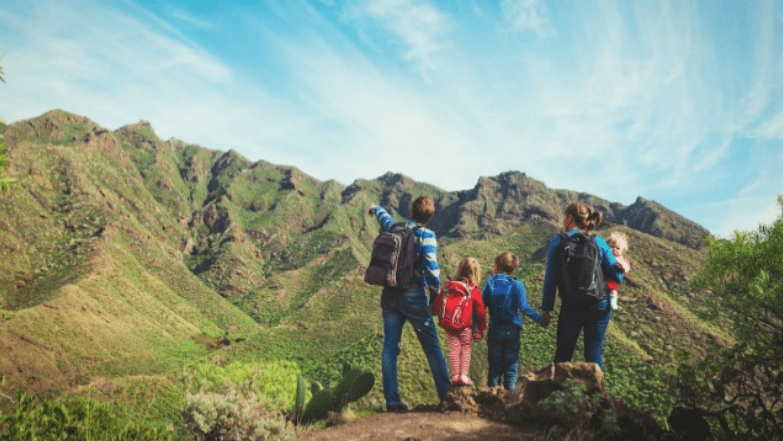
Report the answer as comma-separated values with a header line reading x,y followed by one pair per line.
x,y
679,102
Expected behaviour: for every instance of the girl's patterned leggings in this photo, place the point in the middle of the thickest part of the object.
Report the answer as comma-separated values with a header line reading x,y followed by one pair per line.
x,y
459,351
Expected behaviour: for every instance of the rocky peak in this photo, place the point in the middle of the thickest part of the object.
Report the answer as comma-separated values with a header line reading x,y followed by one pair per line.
x,y
395,180
657,220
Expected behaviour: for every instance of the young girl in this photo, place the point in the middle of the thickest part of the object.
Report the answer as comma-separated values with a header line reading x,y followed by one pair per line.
x,y
461,314
619,244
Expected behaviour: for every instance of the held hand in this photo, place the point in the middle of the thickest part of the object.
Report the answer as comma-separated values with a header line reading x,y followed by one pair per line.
x,y
478,335
371,211
431,309
547,319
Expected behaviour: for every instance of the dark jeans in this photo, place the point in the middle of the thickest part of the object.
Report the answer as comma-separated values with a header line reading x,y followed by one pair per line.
x,y
398,307
503,355
576,316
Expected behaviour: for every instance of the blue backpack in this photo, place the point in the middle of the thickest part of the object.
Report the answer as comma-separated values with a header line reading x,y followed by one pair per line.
x,y
501,288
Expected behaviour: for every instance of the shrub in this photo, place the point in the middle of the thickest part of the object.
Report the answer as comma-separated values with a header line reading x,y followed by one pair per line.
x,y
273,381
586,415
742,387
233,416
74,418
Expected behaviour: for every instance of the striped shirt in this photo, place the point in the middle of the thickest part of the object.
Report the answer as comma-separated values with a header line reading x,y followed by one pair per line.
x,y
426,271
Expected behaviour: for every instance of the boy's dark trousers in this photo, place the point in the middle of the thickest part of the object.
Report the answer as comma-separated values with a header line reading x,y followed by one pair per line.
x,y
503,355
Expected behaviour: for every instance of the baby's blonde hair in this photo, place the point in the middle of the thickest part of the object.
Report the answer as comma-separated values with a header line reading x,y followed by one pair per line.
x,y
468,269
618,240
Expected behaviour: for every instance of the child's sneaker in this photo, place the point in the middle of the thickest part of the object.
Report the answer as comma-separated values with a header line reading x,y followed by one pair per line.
x,y
465,380
613,301
455,380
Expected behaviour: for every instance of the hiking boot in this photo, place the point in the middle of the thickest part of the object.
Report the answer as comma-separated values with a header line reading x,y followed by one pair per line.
x,y
398,408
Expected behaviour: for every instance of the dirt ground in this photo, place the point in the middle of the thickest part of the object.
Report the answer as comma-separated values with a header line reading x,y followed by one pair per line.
x,y
422,426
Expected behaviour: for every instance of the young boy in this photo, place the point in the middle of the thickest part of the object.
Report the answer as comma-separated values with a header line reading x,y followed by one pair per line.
x,y
504,296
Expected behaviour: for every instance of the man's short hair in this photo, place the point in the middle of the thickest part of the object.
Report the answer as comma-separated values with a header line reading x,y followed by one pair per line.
x,y
422,209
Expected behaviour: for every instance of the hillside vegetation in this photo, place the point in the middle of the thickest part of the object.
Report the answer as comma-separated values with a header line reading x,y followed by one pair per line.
x,y
129,260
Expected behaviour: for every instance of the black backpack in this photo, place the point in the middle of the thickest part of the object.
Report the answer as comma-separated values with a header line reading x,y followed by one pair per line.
x,y
393,257
581,277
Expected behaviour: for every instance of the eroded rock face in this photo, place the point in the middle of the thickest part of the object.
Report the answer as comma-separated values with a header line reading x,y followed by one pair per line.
x,y
524,402
580,397
566,395
542,384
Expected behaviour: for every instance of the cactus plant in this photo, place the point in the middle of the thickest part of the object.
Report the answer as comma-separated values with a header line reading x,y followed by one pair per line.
x,y
361,386
348,380
300,394
315,387
318,406
355,384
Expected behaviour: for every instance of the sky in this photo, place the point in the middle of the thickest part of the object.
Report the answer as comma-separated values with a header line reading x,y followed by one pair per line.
x,y
680,102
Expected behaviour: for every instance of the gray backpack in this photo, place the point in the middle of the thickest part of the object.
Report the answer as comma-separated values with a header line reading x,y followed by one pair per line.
x,y
393,257
581,277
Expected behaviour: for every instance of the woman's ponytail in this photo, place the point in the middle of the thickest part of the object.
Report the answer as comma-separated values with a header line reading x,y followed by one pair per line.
x,y
584,216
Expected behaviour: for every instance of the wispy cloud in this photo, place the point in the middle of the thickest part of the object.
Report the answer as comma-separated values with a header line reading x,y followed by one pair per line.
x,y
182,15
528,15
617,99
418,25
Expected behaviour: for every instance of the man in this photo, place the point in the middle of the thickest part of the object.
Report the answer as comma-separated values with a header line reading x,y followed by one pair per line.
x,y
411,304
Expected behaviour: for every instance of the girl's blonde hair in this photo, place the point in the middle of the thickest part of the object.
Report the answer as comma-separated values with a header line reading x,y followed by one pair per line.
x,y
468,270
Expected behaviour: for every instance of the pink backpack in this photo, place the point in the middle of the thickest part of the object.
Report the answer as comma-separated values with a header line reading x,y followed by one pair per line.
x,y
455,306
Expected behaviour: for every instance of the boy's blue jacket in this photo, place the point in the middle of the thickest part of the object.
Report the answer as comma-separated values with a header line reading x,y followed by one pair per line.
x,y
426,271
504,296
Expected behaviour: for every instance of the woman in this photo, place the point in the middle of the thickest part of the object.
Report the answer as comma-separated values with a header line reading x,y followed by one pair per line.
x,y
577,314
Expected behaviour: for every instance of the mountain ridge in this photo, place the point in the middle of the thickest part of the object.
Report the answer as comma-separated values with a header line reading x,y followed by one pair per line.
x,y
265,258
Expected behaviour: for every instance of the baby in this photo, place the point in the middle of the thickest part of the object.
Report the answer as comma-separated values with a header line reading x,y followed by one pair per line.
x,y
619,244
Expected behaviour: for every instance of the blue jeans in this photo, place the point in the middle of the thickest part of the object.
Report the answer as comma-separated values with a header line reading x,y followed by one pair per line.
x,y
503,355
398,307
576,316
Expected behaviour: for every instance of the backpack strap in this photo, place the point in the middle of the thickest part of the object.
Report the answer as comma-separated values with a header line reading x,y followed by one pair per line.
x,y
415,228
464,285
564,236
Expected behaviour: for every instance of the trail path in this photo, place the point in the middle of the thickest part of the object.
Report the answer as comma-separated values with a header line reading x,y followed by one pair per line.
x,y
423,426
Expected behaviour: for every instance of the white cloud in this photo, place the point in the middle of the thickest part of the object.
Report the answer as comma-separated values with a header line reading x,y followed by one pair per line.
x,y
181,14
744,215
417,24
637,95
528,15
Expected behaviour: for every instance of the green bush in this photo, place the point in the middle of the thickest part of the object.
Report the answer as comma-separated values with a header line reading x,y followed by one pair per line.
x,y
74,418
741,388
584,413
641,385
273,381
233,416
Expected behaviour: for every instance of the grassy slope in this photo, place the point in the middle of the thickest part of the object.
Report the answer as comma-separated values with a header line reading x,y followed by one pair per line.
x,y
109,294
341,322
101,222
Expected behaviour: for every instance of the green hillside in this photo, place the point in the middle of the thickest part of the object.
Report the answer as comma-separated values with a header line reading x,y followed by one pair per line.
x,y
131,260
